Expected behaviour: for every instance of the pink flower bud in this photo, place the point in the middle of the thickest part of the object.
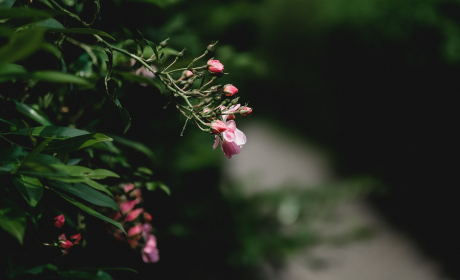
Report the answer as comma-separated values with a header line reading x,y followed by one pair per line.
x,y
188,74
133,214
247,113
218,127
214,66
77,238
59,221
230,90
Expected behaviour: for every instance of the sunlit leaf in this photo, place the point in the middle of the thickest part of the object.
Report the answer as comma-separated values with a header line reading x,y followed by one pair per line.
x,y
58,132
30,188
32,113
90,211
55,171
49,23
86,193
7,3
76,143
59,77
97,186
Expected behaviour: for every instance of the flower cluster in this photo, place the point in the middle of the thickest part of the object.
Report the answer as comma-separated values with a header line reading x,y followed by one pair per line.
x,y
136,222
213,107
63,242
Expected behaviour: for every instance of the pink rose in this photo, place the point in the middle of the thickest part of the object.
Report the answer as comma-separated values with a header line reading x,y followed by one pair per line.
x,y
214,66
150,251
59,221
230,90
233,140
128,205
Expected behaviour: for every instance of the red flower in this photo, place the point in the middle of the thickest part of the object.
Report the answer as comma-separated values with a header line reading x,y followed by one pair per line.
x,y
77,238
214,66
59,221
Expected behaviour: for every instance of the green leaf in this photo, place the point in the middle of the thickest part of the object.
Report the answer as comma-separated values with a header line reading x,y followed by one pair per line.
x,y
154,48
11,71
49,23
7,3
76,143
86,193
85,275
80,31
90,211
58,132
32,139
151,186
97,186
126,119
12,154
32,113
58,172
59,77
28,13
30,188
12,219
21,45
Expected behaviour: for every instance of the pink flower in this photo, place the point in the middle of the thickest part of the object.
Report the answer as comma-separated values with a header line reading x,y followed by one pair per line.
x,y
133,214
135,230
218,127
59,221
77,238
233,140
150,251
247,113
230,110
147,217
64,243
128,205
128,187
230,90
214,66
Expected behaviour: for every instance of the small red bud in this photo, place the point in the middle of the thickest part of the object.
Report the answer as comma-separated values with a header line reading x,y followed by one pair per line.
x,y
76,237
246,111
230,117
230,90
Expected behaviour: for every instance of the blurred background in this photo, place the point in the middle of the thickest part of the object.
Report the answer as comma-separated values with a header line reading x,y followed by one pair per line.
x,y
351,168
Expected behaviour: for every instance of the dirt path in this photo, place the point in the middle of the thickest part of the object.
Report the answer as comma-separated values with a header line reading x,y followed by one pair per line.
x,y
271,159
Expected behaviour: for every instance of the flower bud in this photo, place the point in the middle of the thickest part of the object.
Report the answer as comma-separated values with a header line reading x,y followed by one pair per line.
x,y
164,43
245,111
230,90
59,221
230,117
211,47
214,66
66,244
218,126
187,74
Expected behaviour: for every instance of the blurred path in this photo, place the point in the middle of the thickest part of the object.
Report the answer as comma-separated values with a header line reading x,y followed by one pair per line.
x,y
271,159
